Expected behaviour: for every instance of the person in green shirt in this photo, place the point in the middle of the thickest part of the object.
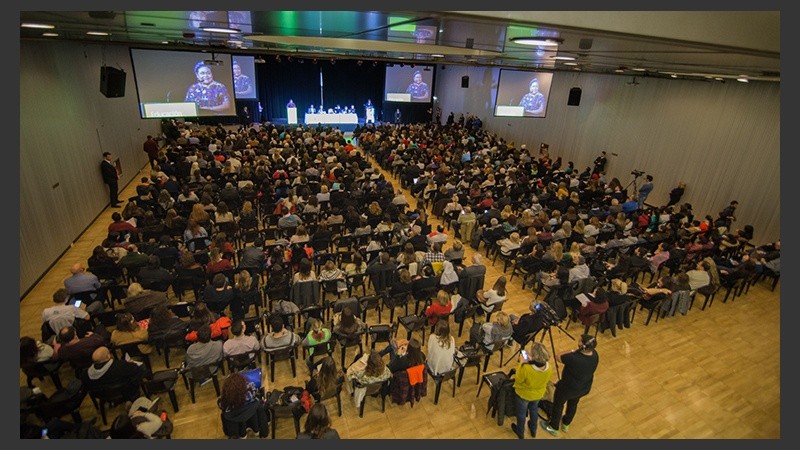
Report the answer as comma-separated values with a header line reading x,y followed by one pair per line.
x,y
530,383
317,335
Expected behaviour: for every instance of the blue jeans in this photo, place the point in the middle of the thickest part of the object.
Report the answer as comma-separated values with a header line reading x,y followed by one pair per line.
x,y
524,408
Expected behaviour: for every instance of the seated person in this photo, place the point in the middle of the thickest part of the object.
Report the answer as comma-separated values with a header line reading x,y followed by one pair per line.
x,y
441,349
128,331
325,378
346,323
280,336
496,295
218,294
528,323
488,333
411,357
78,351
443,304
370,368
204,351
105,370
61,315
239,342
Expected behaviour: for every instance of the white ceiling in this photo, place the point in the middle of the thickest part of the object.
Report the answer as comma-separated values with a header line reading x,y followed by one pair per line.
x,y
690,44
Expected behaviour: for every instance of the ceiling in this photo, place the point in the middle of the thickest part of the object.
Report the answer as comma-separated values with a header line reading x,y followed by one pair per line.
x,y
691,44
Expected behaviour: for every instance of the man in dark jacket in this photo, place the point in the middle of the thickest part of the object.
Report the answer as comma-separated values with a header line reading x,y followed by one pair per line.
x,y
106,371
111,178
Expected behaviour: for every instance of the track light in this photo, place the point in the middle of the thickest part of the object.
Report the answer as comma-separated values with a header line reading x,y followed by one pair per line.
x,y
359,62
333,61
374,63
314,61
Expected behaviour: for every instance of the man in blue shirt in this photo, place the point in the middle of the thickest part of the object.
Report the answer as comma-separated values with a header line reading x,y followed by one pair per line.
x,y
644,191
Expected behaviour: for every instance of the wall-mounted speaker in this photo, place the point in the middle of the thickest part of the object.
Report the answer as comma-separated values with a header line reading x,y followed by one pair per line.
x,y
112,82
465,81
574,97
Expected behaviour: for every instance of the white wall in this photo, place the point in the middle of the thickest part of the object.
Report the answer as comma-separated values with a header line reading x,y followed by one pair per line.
x,y
65,126
722,139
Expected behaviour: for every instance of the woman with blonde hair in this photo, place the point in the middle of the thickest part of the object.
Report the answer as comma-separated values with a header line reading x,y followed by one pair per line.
x,y
506,212
565,232
199,215
530,384
579,227
509,244
440,306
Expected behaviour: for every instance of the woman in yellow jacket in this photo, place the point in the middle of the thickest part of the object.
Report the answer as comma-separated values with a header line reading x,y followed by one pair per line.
x,y
530,383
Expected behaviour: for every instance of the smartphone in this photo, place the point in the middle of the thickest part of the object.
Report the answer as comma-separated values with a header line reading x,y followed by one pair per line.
x,y
44,432
524,355
77,303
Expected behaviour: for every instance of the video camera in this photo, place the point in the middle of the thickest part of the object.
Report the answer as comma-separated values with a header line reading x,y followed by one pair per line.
x,y
549,315
637,173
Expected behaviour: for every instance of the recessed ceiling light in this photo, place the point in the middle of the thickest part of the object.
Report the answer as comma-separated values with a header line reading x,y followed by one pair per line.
x,y
401,57
97,33
235,41
639,69
37,25
743,79
165,42
718,78
543,41
50,34
437,55
563,58
221,30
570,64
620,70
674,76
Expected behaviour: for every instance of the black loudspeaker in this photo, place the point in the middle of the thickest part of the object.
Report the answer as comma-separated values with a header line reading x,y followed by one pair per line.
x,y
112,82
465,81
574,97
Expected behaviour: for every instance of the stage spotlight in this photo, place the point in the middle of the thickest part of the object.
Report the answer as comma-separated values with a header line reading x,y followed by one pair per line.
x,y
289,58
374,63
314,60
359,62
402,64
278,58
333,61
413,65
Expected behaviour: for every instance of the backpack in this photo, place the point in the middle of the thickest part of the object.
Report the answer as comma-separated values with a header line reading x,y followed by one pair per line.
x,y
501,400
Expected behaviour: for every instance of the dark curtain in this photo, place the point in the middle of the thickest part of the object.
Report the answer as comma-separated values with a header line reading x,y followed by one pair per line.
x,y
345,83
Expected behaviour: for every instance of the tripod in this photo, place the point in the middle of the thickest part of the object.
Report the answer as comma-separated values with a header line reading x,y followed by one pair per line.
x,y
633,182
532,336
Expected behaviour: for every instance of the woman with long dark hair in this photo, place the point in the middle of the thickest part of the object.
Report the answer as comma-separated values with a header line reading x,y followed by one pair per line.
x,y
318,424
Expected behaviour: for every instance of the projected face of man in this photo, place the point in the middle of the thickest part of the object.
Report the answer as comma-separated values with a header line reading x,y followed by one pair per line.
x,y
204,75
237,71
417,78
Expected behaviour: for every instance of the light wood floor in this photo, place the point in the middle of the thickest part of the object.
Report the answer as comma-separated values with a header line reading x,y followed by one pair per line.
x,y
709,374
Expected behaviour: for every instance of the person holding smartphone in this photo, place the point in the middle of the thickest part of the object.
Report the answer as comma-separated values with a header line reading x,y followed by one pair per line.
x,y
530,383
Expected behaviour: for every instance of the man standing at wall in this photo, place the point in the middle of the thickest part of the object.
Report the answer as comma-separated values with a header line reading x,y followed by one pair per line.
x,y
110,177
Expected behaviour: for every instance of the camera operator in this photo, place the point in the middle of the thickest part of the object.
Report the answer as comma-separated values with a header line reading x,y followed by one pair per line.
x,y
575,382
645,190
528,323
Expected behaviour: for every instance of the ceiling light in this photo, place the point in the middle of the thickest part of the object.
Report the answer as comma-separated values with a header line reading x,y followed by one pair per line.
x,y
718,78
639,69
563,58
437,55
50,34
221,30
37,25
743,79
620,70
544,41
674,76
97,33
570,64
235,41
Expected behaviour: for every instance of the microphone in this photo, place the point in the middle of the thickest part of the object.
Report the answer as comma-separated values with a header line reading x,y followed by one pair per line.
x,y
614,154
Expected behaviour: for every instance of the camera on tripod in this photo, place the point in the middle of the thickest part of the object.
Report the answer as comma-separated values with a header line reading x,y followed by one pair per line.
x,y
549,315
637,173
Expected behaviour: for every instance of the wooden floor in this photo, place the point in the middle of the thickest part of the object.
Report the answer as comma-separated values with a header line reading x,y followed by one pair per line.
x,y
709,374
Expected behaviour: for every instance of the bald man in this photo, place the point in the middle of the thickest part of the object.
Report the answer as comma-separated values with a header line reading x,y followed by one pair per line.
x,y
82,281
106,371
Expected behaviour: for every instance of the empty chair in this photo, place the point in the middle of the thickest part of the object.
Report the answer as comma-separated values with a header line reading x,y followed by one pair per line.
x,y
449,375
162,381
200,374
274,355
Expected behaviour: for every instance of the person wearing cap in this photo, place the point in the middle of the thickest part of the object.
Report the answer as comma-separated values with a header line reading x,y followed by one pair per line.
x,y
576,381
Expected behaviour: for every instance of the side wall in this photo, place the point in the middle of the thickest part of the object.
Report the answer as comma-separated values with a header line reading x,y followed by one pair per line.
x,y
65,126
722,139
